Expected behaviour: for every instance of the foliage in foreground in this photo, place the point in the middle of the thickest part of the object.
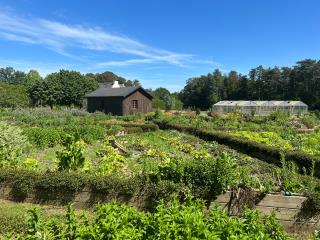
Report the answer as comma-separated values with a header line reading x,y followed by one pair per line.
x,y
170,221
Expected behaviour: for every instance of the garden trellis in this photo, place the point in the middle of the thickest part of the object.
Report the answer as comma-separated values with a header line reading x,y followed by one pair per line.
x,y
261,108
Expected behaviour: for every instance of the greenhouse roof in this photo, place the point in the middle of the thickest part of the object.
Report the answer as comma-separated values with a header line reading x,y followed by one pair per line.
x,y
260,103
297,103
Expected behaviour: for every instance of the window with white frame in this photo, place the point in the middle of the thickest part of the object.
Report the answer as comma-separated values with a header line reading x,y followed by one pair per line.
x,y
134,104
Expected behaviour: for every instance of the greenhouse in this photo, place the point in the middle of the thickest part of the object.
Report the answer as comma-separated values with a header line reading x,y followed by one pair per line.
x,y
261,108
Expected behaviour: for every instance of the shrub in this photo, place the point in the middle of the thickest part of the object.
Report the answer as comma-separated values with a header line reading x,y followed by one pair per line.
x,y
30,164
289,177
116,221
110,160
114,129
43,137
210,177
58,185
88,133
131,130
206,177
310,120
310,143
150,116
72,157
13,144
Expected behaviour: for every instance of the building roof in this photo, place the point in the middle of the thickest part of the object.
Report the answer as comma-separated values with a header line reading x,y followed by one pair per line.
x,y
260,103
116,92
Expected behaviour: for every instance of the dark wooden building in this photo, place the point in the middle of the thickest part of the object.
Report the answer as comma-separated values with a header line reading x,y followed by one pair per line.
x,y
119,100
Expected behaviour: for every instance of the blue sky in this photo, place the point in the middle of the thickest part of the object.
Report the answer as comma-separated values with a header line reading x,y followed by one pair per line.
x,y
159,42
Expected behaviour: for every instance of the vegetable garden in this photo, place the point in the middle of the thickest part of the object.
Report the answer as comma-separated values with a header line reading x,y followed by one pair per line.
x,y
70,150
298,133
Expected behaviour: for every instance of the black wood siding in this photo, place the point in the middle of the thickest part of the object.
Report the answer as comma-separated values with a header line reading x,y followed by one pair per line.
x,y
107,105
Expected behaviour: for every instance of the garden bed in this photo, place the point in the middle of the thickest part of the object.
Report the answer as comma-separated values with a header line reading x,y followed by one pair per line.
x,y
261,151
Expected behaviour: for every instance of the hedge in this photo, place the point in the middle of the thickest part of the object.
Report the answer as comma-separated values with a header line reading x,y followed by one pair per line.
x,y
59,186
254,149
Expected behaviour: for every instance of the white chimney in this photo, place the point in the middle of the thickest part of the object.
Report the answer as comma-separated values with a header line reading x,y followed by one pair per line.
x,y
115,84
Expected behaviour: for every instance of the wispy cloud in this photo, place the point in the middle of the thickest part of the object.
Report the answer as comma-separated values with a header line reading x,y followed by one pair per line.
x,y
62,38
126,62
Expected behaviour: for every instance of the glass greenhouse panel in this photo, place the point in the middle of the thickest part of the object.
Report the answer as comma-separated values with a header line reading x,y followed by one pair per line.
x,y
261,108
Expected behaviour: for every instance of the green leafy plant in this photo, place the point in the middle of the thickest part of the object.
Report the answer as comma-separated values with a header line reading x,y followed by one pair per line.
x,y
30,164
172,220
268,138
110,160
72,157
13,145
288,176
43,137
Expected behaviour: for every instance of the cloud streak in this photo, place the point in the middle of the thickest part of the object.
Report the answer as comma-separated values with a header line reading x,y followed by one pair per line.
x,y
63,38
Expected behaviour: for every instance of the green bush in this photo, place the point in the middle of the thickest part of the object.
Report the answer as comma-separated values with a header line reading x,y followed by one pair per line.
x,y
13,144
110,160
206,177
57,186
43,137
131,130
30,164
71,158
88,133
114,129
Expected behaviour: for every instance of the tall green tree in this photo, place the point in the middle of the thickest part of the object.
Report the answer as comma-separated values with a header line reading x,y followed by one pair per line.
x,y
13,96
62,88
108,78
164,95
196,93
157,103
68,88
232,82
10,75
33,82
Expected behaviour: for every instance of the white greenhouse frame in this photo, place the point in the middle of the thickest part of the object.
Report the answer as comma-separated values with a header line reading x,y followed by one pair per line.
x,y
261,108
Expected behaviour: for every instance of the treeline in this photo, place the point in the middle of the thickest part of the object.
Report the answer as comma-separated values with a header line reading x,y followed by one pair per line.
x,y
300,82
66,88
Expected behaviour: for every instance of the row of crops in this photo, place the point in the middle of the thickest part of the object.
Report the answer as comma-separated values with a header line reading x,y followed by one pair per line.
x,y
298,133
171,220
50,149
